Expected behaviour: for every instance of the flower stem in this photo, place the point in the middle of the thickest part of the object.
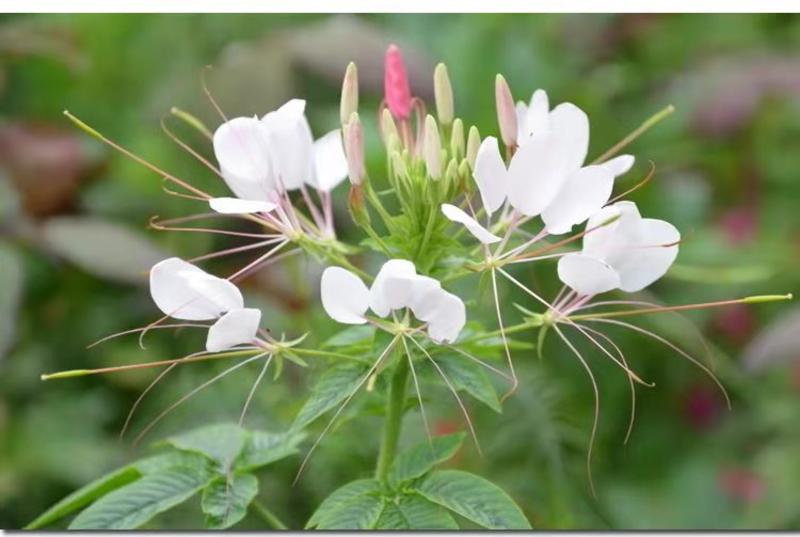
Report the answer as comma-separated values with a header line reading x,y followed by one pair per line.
x,y
394,420
268,516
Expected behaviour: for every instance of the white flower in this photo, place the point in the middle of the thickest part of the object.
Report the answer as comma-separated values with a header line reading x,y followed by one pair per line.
x,y
274,154
184,291
630,253
397,285
546,175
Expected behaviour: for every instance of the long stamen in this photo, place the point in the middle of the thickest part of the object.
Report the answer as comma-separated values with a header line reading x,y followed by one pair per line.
x,y
596,406
644,127
572,238
637,186
235,250
674,347
342,407
419,393
455,394
195,358
135,330
258,260
186,397
685,307
263,264
186,147
514,381
476,360
625,368
253,389
621,355
86,128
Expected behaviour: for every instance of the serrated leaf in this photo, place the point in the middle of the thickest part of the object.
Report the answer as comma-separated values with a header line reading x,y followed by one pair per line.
x,y
331,389
469,376
89,242
135,504
221,443
353,335
85,495
262,448
421,458
357,513
341,496
225,500
412,512
472,497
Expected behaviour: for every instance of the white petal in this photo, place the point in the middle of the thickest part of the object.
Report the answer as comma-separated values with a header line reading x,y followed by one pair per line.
x,y
378,300
650,257
238,206
344,296
423,298
608,236
241,149
569,126
584,193
455,214
521,110
537,122
491,175
536,175
290,145
186,292
446,323
619,165
237,327
330,162
587,275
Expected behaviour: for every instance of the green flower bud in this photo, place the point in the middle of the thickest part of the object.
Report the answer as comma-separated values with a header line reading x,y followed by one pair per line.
x,y
443,92
349,102
457,142
473,144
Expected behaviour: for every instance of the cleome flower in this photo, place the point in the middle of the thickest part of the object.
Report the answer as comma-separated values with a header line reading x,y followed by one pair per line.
x,y
186,292
346,298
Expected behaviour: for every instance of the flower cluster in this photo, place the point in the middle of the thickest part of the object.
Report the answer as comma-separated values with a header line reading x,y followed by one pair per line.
x,y
435,165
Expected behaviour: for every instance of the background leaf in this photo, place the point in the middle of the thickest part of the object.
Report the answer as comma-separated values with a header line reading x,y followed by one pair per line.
x,y
332,388
338,498
469,376
412,512
262,448
221,443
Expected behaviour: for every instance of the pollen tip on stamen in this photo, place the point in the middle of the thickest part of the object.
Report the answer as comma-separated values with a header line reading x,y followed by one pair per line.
x,y
766,298
83,126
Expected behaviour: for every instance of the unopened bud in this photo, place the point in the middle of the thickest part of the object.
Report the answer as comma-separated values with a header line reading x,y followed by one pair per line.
x,y
399,164
397,91
432,148
473,144
506,112
451,173
388,128
354,149
355,202
349,101
457,139
443,92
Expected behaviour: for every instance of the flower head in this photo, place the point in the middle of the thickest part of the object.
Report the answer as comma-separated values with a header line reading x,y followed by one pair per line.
x,y
184,291
346,298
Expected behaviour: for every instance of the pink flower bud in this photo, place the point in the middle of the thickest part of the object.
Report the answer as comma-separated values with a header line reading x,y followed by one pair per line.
x,y
354,149
395,84
506,112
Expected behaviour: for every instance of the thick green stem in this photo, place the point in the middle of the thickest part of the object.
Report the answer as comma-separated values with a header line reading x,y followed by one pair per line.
x,y
268,516
394,419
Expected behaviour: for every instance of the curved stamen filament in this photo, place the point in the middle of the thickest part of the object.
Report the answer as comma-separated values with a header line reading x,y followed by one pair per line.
x,y
253,389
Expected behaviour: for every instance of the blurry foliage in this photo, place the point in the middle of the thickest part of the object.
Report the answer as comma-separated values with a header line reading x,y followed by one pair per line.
x,y
73,218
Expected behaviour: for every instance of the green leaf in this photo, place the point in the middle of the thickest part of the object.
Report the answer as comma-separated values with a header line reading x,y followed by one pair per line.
x,y
85,495
357,513
330,390
340,497
469,376
114,480
221,443
133,505
472,497
225,500
424,456
358,334
262,448
413,512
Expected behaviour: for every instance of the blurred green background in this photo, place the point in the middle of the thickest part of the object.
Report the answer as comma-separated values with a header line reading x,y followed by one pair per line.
x,y
74,246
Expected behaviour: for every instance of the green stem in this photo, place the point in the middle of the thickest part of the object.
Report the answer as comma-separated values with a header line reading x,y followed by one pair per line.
x,y
394,419
268,516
